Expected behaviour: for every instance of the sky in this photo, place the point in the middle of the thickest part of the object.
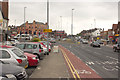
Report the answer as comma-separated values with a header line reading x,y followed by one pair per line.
x,y
87,14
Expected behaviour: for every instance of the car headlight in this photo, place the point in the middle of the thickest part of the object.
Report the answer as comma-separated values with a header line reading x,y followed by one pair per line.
x,y
11,76
34,58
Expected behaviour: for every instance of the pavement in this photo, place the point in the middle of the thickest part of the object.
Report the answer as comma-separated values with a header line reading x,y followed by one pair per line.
x,y
52,66
102,60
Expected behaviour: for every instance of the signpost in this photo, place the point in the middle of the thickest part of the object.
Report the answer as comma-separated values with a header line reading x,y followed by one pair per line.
x,y
47,30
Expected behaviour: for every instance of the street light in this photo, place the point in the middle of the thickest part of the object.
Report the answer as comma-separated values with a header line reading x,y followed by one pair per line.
x,y
61,22
72,23
24,18
47,24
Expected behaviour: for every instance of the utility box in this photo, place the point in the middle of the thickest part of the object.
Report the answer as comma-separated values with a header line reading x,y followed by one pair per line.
x,y
55,49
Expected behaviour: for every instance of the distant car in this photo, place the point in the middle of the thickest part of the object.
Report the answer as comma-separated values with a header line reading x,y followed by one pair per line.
x,y
116,47
64,39
33,60
100,41
52,40
14,42
32,47
12,71
23,37
95,44
84,41
13,55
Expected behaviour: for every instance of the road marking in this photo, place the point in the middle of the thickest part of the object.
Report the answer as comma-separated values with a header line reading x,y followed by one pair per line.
x,y
70,66
97,53
90,63
112,58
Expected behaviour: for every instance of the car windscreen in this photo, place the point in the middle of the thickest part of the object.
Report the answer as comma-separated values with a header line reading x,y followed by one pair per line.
x,y
18,53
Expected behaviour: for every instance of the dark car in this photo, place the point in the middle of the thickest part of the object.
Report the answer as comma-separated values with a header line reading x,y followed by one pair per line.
x,y
116,47
95,44
10,69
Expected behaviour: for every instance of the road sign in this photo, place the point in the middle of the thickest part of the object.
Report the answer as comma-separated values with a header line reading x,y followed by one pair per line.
x,y
47,30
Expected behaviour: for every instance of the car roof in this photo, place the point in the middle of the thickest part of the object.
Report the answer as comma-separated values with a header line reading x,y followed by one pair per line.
x,y
5,46
28,43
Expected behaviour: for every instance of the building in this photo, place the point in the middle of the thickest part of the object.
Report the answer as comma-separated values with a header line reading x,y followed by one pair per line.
x,y
58,34
34,28
3,20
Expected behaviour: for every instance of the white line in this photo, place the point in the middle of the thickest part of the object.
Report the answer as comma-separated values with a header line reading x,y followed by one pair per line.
x,y
112,58
97,53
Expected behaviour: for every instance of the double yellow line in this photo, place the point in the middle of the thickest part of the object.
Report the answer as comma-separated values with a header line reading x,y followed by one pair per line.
x,y
72,69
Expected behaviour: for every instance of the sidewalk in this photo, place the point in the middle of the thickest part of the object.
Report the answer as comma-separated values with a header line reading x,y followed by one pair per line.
x,y
52,66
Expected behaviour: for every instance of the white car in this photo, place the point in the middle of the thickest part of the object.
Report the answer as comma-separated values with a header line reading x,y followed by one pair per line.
x,y
23,37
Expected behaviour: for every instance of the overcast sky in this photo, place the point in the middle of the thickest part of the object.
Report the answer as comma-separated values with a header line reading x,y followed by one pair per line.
x,y
105,12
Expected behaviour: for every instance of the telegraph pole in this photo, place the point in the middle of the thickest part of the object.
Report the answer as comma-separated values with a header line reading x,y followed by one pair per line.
x,y
47,24
24,20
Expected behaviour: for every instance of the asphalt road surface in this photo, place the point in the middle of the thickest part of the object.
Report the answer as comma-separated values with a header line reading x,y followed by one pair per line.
x,y
102,60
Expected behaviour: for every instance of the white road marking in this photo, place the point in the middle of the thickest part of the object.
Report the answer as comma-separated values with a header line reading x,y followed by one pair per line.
x,y
90,63
112,58
97,53
38,68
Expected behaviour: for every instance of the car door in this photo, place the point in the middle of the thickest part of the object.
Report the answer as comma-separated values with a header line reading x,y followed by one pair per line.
x,y
6,57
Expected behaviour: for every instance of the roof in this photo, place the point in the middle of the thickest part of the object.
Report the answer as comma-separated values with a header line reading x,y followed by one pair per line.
x,y
114,27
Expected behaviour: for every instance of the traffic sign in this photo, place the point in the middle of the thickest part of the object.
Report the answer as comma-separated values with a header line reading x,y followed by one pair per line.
x,y
47,30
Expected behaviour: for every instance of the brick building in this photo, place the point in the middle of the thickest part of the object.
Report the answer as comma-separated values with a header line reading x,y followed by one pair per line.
x,y
3,20
34,28
58,34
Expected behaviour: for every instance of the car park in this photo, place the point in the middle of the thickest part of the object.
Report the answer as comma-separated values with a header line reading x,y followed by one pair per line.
x,y
12,72
95,44
13,55
84,41
32,47
33,60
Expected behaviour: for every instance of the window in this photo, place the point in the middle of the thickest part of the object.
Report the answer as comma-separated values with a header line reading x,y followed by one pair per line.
x,y
19,53
34,46
4,54
40,47
28,46
21,46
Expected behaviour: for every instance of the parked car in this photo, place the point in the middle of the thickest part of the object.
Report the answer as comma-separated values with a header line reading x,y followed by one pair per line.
x,y
116,47
44,43
33,60
32,47
13,55
95,44
23,37
64,39
12,71
14,42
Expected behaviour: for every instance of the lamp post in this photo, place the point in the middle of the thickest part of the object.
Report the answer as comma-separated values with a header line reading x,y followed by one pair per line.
x,y
24,18
72,23
47,24
61,22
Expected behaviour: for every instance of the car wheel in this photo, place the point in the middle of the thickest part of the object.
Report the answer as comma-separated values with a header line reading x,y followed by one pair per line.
x,y
114,49
47,53
37,55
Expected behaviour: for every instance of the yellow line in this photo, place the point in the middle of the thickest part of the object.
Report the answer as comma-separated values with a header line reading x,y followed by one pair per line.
x,y
68,64
73,68
71,65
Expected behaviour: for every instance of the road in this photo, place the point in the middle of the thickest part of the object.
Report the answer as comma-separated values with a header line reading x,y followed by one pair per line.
x,y
102,60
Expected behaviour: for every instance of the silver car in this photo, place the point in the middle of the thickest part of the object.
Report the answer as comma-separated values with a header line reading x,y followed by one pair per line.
x,y
32,47
10,54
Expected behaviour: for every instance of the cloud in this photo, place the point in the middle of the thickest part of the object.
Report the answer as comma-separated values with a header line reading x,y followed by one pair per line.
x,y
105,13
